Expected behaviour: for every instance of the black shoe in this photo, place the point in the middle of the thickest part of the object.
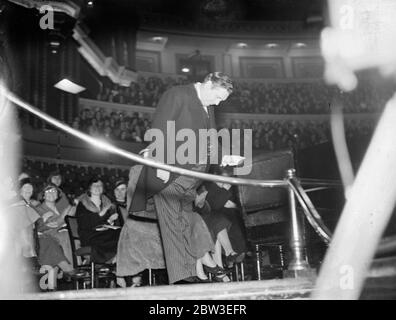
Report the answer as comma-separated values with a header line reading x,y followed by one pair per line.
x,y
192,280
234,258
218,274
215,270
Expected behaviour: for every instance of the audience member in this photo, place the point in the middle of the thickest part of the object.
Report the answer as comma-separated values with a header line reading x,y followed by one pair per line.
x,y
52,222
140,245
98,222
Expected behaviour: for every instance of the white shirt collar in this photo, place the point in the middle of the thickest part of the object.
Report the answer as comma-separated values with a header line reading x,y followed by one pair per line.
x,y
196,85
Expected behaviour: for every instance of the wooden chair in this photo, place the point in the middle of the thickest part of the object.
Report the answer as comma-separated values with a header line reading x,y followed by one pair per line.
x,y
265,211
82,259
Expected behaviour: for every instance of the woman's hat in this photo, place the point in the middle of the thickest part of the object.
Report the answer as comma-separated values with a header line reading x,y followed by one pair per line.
x,y
49,186
118,183
24,181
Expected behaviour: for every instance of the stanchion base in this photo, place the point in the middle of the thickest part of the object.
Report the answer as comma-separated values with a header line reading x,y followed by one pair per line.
x,y
308,273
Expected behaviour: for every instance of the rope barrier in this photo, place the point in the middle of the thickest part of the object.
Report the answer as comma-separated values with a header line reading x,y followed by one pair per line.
x,y
134,157
319,227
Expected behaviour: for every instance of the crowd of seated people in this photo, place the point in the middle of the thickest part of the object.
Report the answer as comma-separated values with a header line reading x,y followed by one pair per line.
x,y
305,98
132,243
145,92
267,135
275,135
263,97
75,177
112,125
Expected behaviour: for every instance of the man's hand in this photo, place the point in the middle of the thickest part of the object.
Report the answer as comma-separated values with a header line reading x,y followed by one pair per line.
x,y
163,175
232,160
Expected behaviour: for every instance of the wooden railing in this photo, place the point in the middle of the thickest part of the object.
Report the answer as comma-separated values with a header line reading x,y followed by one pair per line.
x,y
58,145
222,117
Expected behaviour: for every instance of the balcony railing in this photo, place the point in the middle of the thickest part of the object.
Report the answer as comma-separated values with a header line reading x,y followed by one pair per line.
x,y
151,20
146,112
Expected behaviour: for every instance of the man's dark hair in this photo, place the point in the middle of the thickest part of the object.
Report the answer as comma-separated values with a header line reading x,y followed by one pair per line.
x,y
220,80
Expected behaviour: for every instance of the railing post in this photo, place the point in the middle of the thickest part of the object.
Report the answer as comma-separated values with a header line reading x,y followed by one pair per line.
x,y
298,266
258,263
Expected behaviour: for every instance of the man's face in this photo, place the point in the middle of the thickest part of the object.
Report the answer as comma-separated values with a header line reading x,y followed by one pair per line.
x,y
213,95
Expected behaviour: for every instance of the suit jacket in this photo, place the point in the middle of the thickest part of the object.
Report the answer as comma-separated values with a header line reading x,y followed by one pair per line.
x,y
182,105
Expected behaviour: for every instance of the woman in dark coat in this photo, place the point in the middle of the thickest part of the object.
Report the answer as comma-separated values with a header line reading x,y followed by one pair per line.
x,y
98,223
224,220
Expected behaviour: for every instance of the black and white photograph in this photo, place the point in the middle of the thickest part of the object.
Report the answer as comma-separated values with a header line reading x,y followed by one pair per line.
x,y
199,156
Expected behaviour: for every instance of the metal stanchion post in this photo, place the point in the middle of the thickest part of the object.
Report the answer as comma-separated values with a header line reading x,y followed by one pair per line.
x,y
298,266
236,272
258,262
149,277
282,258
92,275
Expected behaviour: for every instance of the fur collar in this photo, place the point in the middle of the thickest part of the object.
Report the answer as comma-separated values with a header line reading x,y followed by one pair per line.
x,y
89,205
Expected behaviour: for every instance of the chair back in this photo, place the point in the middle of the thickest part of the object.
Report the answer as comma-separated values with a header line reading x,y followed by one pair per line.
x,y
266,166
72,229
266,210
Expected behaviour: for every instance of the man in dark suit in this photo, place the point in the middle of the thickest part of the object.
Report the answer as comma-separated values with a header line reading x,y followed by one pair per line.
x,y
184,107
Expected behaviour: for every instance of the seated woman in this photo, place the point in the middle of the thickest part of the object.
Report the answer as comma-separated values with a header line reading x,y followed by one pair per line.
x,y
49,252
223,220
23,232
120,189
140,245
98,223
203,243
52,221
62,202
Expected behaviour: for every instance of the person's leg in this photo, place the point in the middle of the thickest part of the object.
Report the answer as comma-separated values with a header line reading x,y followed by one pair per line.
x,y
51,253
121,282
200,271
65,266
64,241
136,281
175,232
130,281
237,232
217,254
208,261
224,240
